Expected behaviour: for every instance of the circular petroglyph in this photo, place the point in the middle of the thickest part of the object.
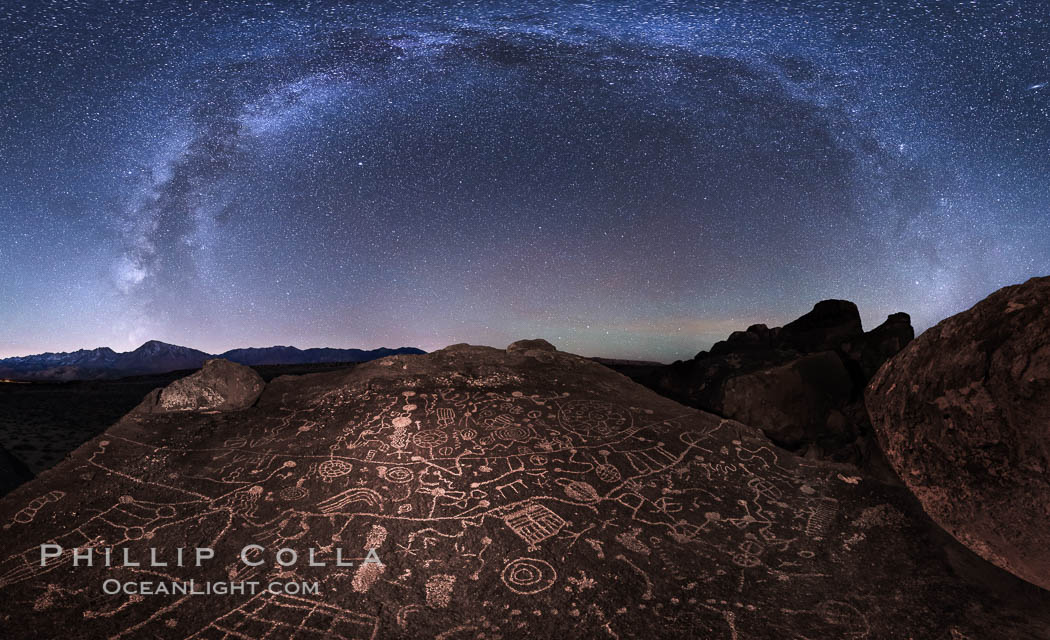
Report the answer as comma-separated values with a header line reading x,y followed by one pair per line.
x,y
607,473
430,438
590,418
294,493
513,434
526,576
399,475
334,468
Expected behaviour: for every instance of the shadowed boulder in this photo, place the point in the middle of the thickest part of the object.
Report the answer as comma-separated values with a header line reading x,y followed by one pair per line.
x,y
830,324
537,344
963,414
220,385
801,401
802,383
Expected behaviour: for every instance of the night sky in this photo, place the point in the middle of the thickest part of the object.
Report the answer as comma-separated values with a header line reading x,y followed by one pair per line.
x,y
627,180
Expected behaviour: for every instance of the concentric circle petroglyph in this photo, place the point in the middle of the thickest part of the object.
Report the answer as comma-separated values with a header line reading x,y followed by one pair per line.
x,y
526,576
430,438
514,433
399,475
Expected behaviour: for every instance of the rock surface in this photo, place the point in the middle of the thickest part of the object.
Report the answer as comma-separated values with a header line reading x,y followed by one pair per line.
x,y
526,493
802,383
13,472
220,385
963,414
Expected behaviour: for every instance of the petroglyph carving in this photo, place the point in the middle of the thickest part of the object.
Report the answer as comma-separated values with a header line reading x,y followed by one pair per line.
x,y
265,615
439,590
687,525
534,523
527,576
28,513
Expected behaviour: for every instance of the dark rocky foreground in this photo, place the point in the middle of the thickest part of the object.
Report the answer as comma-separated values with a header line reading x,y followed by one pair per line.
x,y
509,494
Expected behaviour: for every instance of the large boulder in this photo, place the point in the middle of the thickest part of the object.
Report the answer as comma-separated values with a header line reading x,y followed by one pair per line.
x,y
830,324
801,401
802,383
881,343
963,414
220,385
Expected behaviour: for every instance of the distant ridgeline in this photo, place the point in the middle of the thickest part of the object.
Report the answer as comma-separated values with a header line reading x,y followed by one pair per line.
x,y
159,357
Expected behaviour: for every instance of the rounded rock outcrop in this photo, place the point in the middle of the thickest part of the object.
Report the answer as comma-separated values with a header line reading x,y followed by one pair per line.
x,y
536,344
220,385
963,415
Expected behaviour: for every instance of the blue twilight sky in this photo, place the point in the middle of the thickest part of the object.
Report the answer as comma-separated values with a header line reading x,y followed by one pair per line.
x,y
629,179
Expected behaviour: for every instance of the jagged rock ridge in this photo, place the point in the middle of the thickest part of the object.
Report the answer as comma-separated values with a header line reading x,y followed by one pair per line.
x,y
802,383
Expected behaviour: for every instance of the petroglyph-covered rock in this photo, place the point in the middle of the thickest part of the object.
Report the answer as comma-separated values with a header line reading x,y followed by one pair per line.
x,y
506,496
963,414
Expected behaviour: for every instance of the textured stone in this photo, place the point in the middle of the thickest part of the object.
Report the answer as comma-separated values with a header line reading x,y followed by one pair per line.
x,y
13,471
220,385
802,383
963,414
795,403
507,496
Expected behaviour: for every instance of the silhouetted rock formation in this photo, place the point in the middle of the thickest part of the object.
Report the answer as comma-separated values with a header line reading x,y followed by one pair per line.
x,y
321,355
801,383
524,346
829,325
220,385
519,493
963,414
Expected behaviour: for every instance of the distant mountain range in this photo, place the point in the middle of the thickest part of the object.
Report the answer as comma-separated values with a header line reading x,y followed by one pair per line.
x,y
160,357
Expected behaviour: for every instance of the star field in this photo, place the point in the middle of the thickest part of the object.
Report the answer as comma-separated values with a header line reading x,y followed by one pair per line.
x,y
624,179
